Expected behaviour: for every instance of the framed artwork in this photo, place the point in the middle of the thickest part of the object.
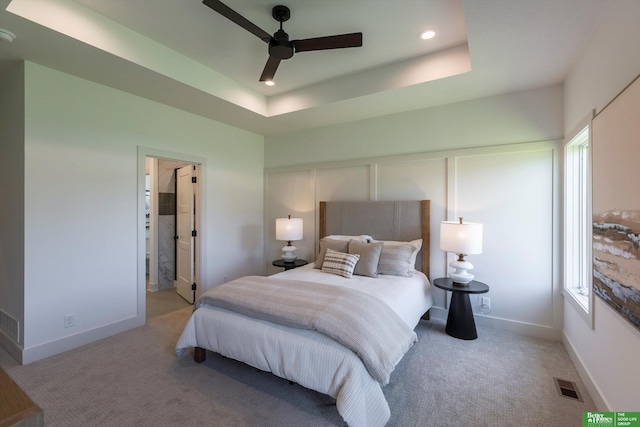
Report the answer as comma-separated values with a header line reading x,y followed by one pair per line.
x,y
616,203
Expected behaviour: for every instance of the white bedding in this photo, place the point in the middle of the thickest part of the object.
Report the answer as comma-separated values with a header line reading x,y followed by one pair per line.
x,y
305,356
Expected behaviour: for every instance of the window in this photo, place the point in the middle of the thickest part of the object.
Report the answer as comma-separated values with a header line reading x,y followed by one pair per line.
x,y
578,222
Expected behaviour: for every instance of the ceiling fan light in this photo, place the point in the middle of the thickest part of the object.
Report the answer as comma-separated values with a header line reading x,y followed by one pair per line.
x,y
269,83
427,34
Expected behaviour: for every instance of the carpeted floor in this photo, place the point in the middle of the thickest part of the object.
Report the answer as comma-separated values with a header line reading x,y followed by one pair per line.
x,y
135,379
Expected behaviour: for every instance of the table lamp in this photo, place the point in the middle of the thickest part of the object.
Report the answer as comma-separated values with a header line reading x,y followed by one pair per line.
x,y
288,230
461,238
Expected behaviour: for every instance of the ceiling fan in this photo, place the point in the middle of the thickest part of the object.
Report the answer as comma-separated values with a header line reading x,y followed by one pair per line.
x,y
280,47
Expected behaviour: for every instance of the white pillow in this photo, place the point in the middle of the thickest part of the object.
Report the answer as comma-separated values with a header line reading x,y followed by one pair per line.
x,y
399,258
340,263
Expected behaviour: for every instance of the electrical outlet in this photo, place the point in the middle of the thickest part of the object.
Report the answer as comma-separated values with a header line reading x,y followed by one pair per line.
x,y
486,302
69,320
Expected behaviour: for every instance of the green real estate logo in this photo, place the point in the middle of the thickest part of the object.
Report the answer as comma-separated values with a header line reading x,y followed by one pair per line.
x,y
611,419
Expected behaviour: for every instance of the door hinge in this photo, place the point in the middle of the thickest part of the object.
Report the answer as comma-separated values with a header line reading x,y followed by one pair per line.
x,y
193,233
193,286
194,179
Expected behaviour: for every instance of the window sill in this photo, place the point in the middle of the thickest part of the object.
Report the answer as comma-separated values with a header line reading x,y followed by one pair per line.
x,y
581,303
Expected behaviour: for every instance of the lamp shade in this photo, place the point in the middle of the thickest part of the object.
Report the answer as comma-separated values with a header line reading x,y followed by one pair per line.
x,y
461,237
288,229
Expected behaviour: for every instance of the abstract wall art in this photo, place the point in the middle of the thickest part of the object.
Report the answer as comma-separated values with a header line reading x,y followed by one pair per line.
x,y
616,203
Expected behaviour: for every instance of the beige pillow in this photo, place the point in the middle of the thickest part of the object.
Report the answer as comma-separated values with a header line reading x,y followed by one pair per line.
x,y
399,258
337,243
369,257
326,243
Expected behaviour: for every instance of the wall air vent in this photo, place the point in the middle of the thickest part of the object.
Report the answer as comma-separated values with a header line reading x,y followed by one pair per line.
x,y
10,326
567,389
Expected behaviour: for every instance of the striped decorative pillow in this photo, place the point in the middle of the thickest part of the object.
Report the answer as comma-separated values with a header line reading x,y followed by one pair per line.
x,y
340,263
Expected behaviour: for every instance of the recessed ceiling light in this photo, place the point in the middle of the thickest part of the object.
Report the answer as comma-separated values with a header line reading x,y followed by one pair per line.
x,y
427,34
269,83
6,35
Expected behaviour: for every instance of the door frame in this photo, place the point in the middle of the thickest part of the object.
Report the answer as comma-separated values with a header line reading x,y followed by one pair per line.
x,y
200,275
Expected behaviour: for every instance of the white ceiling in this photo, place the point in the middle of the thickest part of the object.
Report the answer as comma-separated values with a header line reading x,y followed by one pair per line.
x,y
182,53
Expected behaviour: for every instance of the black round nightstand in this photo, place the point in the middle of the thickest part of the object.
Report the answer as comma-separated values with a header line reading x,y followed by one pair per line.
x,y
460,323
288,265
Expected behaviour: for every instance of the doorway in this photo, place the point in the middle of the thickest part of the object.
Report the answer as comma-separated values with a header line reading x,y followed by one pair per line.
x,y
170,241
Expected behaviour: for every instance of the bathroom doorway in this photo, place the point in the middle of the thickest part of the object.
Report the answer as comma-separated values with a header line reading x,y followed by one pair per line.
x,y
161,237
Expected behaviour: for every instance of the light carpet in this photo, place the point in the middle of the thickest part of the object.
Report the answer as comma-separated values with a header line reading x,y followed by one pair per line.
x,y
135,379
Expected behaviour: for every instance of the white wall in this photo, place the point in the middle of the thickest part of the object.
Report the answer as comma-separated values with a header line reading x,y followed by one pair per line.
x,y
12,200
607,354
533,115
83,197
471,159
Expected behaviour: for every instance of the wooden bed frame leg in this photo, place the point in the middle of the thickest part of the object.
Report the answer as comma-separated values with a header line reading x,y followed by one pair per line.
x,y
199,354
427,315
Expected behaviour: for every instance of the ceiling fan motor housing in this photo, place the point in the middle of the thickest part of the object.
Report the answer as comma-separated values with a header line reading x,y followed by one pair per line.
x,y
280,47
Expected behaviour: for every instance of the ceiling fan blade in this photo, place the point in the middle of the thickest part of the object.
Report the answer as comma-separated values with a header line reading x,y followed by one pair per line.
x,y
235,17
328,42
270,69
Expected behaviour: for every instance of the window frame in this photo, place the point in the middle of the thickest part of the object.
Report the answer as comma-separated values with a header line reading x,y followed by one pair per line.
x,y
577,242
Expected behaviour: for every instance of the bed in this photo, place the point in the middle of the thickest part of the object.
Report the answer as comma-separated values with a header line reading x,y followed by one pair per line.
x,y
344,364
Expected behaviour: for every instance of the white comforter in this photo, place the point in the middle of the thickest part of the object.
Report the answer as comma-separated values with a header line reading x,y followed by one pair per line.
x,y
308,357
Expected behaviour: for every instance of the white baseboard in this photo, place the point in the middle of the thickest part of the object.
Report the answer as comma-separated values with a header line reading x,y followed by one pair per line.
x,y
42,351
587,379
520,328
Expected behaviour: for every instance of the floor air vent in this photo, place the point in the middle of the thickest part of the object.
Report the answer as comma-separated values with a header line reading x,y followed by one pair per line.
x,y
567,389
9,326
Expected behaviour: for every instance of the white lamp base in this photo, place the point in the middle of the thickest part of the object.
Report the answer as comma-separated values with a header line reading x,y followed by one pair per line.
x,y
461,276
289,253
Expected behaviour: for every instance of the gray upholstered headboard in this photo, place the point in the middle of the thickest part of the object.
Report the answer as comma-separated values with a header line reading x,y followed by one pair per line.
x,y
383,220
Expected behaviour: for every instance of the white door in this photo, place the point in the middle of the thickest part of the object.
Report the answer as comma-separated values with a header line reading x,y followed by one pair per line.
x,y
185,227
